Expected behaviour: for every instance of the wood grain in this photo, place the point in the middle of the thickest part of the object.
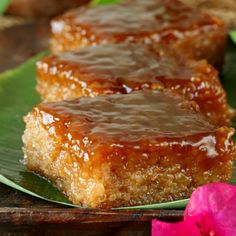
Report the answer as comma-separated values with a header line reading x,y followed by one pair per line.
x,y
55,215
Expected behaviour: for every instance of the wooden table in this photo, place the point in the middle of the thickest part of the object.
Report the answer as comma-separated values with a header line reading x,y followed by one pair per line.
x,y
21,214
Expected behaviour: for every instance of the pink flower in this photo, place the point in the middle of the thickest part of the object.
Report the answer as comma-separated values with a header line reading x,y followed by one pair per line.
x,y
211,211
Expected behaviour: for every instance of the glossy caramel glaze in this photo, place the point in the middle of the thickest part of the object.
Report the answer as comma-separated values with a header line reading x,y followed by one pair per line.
x,y
140,17
126,67
149,22
127,117
120,150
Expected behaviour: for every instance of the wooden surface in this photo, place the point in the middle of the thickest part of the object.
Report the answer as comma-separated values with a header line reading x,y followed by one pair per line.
x,y
20,42
21,214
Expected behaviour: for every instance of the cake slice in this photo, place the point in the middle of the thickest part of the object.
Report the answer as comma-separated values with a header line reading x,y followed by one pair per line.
x,y
185,29
125,150
126,67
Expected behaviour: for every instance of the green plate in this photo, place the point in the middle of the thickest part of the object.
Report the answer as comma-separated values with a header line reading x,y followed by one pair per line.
x,y
18,96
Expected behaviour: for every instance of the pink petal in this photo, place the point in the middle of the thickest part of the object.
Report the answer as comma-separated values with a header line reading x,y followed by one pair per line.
x,y
184,228
216,202
211,211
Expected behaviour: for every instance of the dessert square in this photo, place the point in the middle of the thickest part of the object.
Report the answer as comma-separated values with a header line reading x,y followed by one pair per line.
x,y
196,34
125,150
127,67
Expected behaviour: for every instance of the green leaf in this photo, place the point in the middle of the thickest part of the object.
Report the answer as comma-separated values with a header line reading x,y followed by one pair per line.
x,y
229,76
18,96
232,34
3,5
99,2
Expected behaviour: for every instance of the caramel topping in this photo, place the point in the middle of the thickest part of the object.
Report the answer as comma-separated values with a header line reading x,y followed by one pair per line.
x,y
128,117
127,65
139,16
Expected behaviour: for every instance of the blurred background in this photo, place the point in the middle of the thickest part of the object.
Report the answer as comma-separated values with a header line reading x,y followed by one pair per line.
x,y
24,24
47,8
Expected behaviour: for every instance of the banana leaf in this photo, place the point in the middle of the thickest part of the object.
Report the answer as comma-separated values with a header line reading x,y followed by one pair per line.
x,y
232,34
99,2
3,5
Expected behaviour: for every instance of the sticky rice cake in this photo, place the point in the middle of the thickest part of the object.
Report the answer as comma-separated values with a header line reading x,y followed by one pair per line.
x,y
123,68
185,29
125,150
